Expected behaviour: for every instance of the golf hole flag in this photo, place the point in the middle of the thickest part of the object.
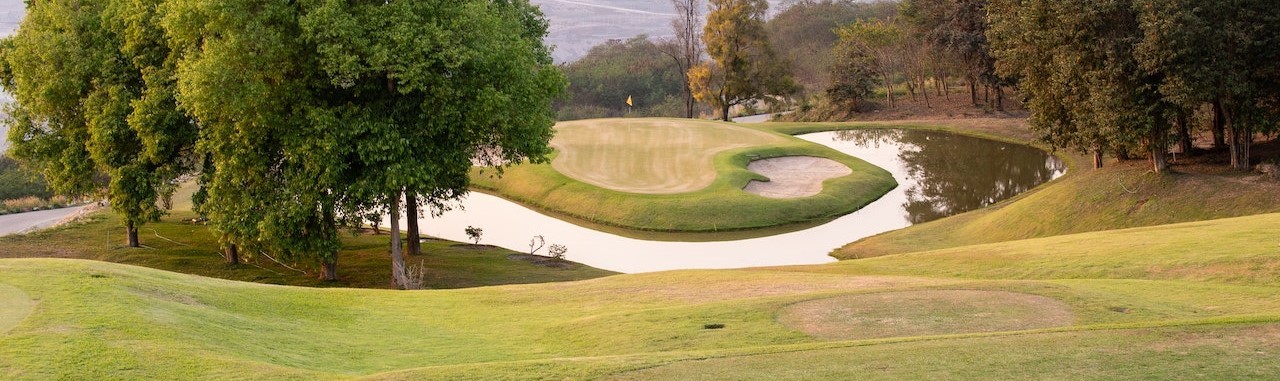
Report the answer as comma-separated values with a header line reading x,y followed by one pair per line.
x,y
629,101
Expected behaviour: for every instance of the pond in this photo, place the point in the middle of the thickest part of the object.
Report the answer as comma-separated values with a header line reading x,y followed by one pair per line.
x,y
939,174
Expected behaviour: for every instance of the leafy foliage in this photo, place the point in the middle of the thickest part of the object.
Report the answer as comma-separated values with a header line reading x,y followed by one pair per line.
x,y
94,91
744,67
601,81
804,34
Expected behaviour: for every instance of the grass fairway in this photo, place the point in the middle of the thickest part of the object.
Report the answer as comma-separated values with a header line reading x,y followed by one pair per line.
x,y
1103,305
600,166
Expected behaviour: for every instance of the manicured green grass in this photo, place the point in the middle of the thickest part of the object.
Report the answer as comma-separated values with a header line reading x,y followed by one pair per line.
x,y
1137,309
177,244
720,206
649,155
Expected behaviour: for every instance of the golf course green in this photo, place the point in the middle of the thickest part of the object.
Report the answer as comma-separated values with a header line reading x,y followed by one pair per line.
x,y
1117,310
678,175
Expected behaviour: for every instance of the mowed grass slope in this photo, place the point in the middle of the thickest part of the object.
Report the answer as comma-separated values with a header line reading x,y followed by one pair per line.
x,y
1116,304
594,148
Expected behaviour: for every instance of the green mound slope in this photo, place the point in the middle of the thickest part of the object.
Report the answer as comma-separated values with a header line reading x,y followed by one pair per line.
x,y
1148,303
590,150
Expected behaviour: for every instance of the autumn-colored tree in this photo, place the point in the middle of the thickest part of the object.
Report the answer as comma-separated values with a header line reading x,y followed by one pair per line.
x,y
743,68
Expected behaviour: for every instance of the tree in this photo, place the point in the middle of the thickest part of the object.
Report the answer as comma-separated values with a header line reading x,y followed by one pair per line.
x,y
958,28
882,41
804,34
744,67
852,75
686,47
456,82
601,81
1222,55
94,89
274,169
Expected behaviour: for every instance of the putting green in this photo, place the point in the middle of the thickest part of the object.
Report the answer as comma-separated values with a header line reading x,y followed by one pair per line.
x,y
15,305
648,155
641,175
922,313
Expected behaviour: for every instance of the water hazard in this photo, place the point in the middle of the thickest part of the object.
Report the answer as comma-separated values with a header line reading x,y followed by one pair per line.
x,y
939,175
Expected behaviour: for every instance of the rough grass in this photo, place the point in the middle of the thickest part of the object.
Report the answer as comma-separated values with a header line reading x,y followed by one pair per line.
x,y
1137,312
177,244
648,155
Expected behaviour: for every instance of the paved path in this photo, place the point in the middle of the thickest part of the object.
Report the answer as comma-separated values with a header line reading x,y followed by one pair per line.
x,y
22,222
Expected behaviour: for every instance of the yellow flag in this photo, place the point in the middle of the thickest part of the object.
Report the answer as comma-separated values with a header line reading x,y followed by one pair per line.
x,y
629,101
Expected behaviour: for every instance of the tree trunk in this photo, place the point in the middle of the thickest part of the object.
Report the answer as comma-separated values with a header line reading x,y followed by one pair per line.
x,y
329,270
1159,150
1241,139
999,99
132,232
888,91
986,94
688,99
411,212
398,274
232,254
724,111
925,91
1097,158
1184,135
1219,125
973,90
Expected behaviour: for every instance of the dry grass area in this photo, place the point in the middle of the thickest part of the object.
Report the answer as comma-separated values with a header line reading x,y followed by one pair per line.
x,y
923,313
655,156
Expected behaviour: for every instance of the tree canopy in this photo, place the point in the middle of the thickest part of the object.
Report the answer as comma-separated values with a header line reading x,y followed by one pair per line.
x,y
743,67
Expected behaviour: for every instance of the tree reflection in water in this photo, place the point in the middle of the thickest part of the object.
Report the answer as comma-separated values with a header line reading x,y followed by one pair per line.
x,y
954,173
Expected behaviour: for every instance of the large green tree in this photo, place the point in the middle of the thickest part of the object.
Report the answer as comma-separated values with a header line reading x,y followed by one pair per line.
x,y
744,67
274,168
424,90
1226,55
94,90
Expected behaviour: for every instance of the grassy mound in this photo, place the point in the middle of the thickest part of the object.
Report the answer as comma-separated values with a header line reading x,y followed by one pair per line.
x,y
720,206
1185,305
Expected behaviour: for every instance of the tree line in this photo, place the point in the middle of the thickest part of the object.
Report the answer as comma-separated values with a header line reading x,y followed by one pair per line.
x,y
1099,76
301,118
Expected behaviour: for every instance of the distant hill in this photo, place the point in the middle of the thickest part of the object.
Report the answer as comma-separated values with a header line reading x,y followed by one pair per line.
x,y
577,25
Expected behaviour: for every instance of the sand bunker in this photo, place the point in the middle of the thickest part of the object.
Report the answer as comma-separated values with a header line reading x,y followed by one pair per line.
x,y
794,176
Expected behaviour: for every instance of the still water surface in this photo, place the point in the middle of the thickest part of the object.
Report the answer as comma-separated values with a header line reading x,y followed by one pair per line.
x,y
939,175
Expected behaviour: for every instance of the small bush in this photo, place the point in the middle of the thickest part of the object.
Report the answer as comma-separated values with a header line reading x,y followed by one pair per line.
x,y
474,233
557,251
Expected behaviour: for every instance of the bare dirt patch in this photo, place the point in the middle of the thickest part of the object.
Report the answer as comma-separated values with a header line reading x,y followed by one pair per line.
x,y
794,176
924,313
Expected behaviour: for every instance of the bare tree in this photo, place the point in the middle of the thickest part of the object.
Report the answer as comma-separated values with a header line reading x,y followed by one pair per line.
x,y
686,47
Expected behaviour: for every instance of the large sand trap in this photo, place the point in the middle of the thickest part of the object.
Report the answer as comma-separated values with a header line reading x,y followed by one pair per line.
x,y
794,176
